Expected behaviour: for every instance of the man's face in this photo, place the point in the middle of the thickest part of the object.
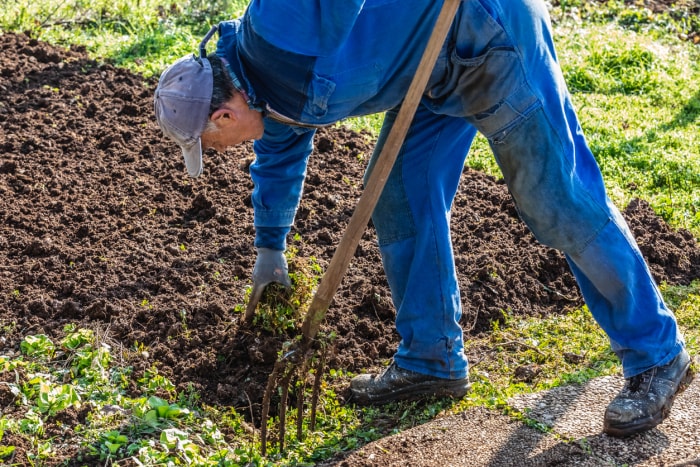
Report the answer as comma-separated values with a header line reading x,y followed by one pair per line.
x,y
232,124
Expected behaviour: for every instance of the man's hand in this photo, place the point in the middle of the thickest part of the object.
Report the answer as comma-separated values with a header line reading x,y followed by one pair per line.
x,y
270,266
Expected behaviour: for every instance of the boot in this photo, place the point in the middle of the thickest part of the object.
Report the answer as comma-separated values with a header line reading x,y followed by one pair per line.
x,y
646,399
397,384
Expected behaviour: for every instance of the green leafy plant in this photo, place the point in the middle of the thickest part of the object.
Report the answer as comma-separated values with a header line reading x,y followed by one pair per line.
x,y
39,346
55,398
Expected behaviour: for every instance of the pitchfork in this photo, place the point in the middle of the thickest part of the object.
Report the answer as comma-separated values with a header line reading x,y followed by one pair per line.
x,y
298,357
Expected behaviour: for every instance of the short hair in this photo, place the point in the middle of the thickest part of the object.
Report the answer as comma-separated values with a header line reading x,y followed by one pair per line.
x,y
223,87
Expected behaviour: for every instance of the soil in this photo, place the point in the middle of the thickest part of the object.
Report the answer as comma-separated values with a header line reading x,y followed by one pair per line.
x,y
100,226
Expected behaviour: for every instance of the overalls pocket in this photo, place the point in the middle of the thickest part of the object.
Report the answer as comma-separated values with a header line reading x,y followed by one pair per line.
x,y
331,95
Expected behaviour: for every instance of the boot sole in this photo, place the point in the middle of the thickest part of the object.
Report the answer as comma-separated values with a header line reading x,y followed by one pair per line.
x,y
639,426
454,389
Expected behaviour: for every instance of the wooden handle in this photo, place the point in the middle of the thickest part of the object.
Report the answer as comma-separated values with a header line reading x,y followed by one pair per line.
x,y
358,222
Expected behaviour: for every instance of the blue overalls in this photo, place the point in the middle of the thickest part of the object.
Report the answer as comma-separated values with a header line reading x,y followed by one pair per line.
x,y
497,74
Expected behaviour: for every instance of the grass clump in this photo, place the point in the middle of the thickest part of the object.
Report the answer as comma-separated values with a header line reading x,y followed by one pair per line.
x,y
685,303
639,103
534,354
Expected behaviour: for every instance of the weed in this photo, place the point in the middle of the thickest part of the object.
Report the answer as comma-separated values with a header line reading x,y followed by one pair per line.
x,y
281,309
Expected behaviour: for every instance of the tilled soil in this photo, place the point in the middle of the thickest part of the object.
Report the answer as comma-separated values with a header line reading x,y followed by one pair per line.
x,y
101,226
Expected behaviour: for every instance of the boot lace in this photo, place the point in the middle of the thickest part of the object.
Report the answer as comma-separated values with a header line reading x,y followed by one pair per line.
x,y
641,382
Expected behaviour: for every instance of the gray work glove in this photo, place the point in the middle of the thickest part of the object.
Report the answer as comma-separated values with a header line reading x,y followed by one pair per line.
x,y
270,266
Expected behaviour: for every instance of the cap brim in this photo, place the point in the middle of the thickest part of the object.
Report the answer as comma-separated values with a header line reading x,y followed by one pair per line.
x,y
193,158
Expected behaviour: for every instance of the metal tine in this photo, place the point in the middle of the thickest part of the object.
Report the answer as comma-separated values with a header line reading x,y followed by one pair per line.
x,y
315,394
301,388
271,384
253,301
283,403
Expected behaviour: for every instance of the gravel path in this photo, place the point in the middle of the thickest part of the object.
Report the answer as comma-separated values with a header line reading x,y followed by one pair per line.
x,y
574,415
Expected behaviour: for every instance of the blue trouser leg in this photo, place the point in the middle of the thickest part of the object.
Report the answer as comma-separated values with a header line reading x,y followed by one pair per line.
x,y
412,223
532,128
620,292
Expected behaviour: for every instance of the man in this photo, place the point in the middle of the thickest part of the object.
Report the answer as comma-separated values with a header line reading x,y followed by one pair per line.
x,y
286,68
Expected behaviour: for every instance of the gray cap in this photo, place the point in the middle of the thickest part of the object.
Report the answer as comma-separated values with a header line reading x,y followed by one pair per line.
x,y
182,102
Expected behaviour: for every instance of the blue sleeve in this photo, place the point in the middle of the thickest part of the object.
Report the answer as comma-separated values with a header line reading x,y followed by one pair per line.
x,y
274,238
278,176
307,27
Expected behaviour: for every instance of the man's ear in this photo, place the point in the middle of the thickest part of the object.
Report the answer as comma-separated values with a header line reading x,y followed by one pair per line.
x,y
223,117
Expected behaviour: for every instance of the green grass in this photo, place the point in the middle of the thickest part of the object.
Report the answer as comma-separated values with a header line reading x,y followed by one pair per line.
x,y
639,102
635,82
141,35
